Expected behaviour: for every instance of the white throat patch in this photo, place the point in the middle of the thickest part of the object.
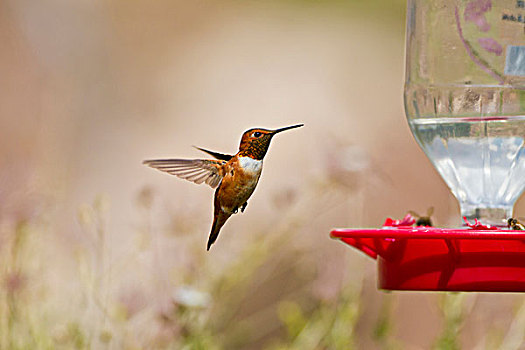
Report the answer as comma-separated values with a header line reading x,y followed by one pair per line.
x,y
250,164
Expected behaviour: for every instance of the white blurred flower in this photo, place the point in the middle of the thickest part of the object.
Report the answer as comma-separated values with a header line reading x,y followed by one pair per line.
x,y
346,164
191,297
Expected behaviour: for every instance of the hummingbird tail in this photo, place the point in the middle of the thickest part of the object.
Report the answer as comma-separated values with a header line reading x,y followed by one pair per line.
x,y
218,221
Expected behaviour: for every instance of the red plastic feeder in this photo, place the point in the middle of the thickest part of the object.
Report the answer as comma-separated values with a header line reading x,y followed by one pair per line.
x,y
441,259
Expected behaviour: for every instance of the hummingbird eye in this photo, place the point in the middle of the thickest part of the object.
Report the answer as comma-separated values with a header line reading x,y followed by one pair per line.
x,y
257,134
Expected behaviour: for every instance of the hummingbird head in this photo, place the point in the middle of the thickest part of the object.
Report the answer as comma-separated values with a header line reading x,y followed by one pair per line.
x,y
255,142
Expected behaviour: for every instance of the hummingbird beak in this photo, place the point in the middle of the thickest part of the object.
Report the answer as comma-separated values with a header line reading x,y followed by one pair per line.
x,y
286,128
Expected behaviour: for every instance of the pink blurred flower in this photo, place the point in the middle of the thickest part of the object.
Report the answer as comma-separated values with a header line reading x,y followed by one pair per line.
x,y
491,45
408,220
14,282
478,225
133,301
474,12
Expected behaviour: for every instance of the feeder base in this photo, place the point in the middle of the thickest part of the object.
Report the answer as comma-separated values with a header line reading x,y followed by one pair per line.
x,y
438,259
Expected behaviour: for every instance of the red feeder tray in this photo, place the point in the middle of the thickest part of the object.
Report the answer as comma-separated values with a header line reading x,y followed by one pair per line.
x,y
441,259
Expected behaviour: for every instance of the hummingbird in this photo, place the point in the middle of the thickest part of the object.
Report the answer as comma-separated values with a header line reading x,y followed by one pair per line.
x,y
234,176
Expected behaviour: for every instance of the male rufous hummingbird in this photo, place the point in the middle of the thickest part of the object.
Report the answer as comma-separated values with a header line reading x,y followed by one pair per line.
x,y
235,177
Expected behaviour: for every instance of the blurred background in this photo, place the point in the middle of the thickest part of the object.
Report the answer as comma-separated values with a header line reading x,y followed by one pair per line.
x,y
98,251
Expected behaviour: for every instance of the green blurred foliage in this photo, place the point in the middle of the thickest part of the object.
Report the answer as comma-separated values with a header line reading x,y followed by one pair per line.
x,y
452,307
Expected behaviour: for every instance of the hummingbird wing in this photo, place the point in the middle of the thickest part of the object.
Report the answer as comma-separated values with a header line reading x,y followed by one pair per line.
x,y
195,170
215,155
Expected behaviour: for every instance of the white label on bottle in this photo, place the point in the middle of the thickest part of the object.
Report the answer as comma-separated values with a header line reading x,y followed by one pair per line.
x,y
515,62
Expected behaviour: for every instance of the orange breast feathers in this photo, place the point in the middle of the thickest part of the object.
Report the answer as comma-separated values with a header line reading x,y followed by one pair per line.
x,y
239,183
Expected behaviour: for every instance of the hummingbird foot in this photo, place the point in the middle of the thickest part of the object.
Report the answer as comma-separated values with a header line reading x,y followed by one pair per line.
x,y
236,210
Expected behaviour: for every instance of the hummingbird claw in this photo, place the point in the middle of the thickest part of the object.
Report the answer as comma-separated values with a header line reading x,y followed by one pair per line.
x,y
244,207
236,210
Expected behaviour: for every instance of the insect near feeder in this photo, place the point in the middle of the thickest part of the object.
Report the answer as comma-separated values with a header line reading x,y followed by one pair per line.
x,y
465,105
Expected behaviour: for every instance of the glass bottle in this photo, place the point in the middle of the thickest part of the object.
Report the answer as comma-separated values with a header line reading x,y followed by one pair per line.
x,y
465,98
